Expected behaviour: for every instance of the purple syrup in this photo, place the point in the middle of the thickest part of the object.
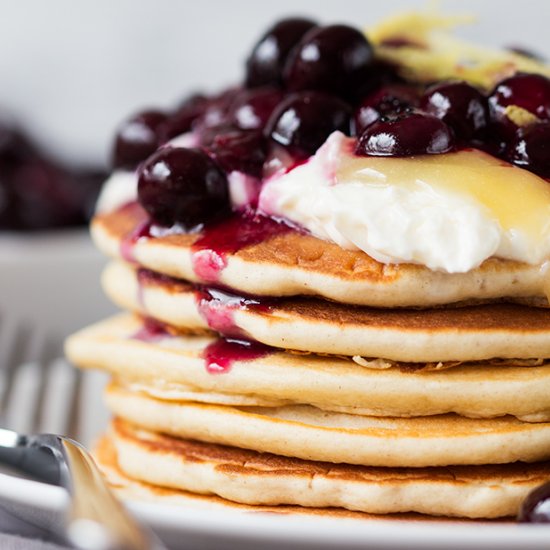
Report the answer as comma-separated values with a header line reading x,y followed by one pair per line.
x,y
229,236
220,355
151,331
217,307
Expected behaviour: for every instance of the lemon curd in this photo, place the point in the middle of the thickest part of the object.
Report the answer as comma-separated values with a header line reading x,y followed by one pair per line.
x,y
517,199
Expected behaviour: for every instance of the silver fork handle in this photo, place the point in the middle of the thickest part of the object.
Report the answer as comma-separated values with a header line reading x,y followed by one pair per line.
x,y
96,519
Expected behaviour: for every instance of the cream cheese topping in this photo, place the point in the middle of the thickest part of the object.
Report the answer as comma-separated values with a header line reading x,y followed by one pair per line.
x,y
448,212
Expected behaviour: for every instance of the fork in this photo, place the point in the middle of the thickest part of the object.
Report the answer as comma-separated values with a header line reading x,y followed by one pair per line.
x,y
39,393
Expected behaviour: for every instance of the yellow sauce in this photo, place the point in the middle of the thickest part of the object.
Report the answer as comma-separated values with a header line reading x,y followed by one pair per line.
x,y
519,200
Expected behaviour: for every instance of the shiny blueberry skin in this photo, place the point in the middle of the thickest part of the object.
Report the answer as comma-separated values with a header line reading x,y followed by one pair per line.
x,y
387,101
182,186
528,91
137,138
216,111
460,105
531,149
303,121
408,135
251,109
536,507
181,121
264,66
240,150
335,59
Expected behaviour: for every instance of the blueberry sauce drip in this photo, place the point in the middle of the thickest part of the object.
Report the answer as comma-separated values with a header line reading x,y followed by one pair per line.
x,y
221,354
151,331
228,237
217,307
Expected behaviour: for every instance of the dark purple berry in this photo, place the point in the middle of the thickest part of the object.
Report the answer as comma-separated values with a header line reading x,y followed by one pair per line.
x,y
388,101
217,109
181,121
207,135
334,59
531,149
536,507
15,148
265,65
251,109
137,138
528,91
303,121
407,135
460,105
183,186
243,151
44,196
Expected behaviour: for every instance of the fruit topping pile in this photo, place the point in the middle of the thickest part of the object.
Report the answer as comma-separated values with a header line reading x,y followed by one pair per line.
x,y
303,82
36,191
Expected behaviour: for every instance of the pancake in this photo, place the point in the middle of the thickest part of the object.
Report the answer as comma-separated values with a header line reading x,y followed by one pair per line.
x,y
175,367
262,479
464,334
131,489
306,432
292,263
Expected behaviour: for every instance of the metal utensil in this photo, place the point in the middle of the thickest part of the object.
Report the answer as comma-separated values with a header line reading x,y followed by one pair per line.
x,y
30,383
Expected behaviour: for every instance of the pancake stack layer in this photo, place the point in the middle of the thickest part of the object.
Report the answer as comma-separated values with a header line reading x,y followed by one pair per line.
x,y
282,370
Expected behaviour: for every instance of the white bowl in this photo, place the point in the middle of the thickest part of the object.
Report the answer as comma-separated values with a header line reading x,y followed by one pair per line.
x,y
50,280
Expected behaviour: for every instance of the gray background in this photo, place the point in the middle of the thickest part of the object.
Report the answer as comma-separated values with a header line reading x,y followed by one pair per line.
x,y
73,69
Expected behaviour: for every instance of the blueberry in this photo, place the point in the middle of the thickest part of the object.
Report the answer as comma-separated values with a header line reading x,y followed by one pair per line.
x,y
183,186
303,121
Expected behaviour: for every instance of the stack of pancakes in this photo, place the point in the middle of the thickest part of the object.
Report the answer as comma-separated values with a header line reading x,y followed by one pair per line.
x,y
341,383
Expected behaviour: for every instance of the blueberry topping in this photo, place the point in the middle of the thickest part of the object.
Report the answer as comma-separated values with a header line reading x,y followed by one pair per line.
x,y
387,101
407,135
183,186
244,151
303,121
217,109
265,65
531,149
460,105
335,59
536,507
528,91
251,109
181,121
137,138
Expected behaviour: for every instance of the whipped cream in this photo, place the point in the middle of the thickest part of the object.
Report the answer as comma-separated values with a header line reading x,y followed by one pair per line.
x,y
119,189
447,212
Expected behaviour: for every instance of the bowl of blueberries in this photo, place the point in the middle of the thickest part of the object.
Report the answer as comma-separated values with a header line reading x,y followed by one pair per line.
x,y
48,266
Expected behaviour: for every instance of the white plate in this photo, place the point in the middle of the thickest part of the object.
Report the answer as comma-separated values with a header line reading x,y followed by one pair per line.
x,y
188,528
